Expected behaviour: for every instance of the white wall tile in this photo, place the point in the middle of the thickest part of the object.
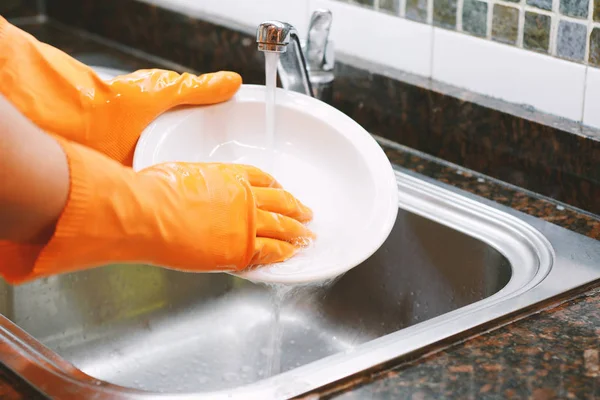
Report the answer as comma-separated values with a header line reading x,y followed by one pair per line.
x,y
249,13
549,84
380,38
591,110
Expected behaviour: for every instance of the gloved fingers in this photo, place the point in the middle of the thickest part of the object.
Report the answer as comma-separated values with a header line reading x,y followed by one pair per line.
x,y
276,226
208,88
257,177
270,251
169,89
281,202
253,176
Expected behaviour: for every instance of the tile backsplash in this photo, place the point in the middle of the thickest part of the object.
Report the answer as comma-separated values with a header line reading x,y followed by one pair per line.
x,y
568,29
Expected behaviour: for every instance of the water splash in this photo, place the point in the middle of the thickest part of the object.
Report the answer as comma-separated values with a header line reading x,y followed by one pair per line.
x,y
279,293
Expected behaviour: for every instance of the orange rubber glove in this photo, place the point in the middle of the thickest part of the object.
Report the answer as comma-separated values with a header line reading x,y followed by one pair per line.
x,y
186,216
65,97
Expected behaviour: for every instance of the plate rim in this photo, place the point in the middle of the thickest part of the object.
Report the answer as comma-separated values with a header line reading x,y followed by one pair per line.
x,y
385,186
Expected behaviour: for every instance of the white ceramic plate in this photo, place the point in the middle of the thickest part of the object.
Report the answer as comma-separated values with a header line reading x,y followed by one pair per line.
x,y
322,157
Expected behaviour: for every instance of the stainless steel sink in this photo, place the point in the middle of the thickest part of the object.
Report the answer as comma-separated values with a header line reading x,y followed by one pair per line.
x,y
452,263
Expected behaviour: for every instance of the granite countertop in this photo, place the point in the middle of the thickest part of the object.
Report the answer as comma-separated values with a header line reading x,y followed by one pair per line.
x,y
552,353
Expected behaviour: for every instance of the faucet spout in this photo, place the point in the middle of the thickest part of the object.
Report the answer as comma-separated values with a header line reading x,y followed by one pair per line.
x,y
274,36
282,38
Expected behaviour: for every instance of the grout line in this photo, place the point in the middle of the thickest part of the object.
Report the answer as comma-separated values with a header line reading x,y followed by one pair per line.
x,y
430,12
551,13
402,6
554,14
554,27
590,26
459,14
521,24
490,18
579,20
585,87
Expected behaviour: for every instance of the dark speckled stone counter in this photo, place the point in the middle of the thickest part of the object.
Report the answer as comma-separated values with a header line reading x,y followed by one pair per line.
x,y
548,354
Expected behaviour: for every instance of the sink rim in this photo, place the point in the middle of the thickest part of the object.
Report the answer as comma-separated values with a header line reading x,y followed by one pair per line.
x,y
556,265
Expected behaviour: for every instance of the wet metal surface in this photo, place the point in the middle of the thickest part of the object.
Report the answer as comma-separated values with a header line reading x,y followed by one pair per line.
x,y
452,262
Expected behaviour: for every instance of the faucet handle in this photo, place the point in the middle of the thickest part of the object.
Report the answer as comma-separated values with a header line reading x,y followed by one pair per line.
x,y
319,52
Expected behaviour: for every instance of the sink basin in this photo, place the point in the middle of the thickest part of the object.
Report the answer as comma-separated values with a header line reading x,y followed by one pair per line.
x,y
452,263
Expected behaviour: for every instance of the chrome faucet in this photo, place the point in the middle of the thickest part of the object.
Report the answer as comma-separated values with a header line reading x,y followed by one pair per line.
x,y
306,69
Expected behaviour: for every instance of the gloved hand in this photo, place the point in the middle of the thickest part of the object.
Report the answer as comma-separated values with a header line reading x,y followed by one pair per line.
x,y
63,96
186,216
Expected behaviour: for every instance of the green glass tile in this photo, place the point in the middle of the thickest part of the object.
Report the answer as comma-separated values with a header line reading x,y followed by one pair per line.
x,y
570,41
595,47
417,10
444,13
536,32
574,8
391,6
596,10
543,4
475,17
505,24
